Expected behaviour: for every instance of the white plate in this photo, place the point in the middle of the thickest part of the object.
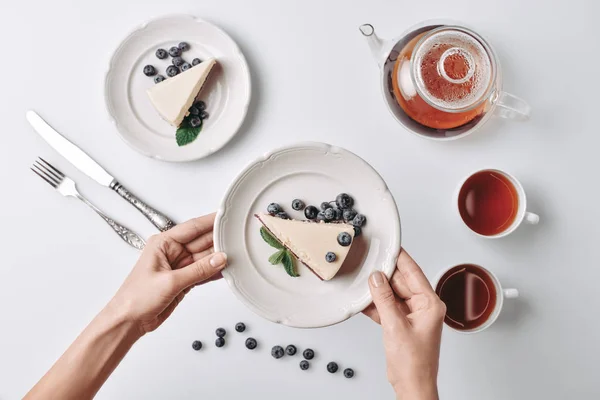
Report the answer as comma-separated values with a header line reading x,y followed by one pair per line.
x,y
313,172
227,94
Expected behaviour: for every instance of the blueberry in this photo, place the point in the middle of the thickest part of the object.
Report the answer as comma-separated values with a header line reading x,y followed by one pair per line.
x,y
185,66
349,215
197,345
201,105
309,354
277,352
325,205
344,201
344,239
161,54
159,78
174,51
330,257
251,343
149,70
196,61
349,373
183,46
204,115
329,214
311,212
177,61
359,220
332,367
297,204
195,121
290,350
220,332
338,214
357,231
274,208
240,327
172,71
304,365
321,216
194,110
220,342
282,215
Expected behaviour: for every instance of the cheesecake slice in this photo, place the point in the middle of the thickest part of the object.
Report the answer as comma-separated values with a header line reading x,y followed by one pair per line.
x,y
311,241
173,97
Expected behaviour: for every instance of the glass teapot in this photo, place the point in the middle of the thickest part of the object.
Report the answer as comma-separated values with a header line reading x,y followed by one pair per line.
x,y
442,81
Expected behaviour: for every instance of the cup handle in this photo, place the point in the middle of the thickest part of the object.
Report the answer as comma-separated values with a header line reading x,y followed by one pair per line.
x,y
512,107
511,293
532,218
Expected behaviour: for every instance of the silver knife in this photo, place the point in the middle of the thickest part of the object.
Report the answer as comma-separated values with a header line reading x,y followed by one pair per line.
x,y
91,168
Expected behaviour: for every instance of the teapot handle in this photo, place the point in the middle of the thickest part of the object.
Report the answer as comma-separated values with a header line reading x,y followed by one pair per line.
x,y
375,43
512,107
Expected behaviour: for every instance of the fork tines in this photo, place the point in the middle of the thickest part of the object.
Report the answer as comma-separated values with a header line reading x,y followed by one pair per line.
x,y
47,172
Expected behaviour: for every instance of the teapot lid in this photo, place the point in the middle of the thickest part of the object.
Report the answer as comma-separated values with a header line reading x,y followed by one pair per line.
x,y
453,69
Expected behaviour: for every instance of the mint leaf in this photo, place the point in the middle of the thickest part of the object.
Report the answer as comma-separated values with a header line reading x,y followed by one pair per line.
x,y
277,257
186,133
267,237
289,264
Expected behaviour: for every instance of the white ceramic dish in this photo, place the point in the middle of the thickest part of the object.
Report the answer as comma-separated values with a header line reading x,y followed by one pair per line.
x,y
314,172
227,94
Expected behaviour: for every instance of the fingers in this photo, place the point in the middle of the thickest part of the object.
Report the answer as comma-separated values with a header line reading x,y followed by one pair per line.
x,y
392,318
190,230
409,278
199,271
200,243
371,312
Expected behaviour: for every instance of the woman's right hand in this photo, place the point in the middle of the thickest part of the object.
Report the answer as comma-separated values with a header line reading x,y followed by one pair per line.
x,y
411,315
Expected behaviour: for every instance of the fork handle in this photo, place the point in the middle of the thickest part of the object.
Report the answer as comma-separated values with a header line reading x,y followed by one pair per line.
x,y
159,220
130,237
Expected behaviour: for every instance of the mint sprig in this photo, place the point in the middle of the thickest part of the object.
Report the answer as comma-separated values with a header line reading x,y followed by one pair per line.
x,y
270,239
289,264
282,256
277,258
186,133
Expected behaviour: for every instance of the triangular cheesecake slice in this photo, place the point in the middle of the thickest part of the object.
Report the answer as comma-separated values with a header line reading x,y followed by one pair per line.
x,y
311,241
173,97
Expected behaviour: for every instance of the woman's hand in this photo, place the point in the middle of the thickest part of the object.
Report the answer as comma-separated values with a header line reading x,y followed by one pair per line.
x,y
171,264
411,315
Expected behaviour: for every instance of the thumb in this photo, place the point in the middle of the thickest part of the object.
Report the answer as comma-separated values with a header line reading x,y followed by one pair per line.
x,y
200,270
385,300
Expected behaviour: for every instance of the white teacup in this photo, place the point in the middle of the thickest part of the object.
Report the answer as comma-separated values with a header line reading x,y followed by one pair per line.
x,y
501,294
522,214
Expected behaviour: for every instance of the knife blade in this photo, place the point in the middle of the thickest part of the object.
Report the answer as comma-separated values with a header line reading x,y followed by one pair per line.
x,y
91,168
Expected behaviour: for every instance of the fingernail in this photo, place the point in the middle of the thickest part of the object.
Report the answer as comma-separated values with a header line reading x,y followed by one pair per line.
x,y
377,278
218,260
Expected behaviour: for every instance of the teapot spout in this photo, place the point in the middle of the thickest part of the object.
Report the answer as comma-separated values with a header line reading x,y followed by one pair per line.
x,y
376,44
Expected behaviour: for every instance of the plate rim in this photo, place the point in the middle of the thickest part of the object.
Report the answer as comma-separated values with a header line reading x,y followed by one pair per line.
x,y
141,27
353,309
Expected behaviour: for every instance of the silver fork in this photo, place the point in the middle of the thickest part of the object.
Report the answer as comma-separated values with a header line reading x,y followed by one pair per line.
x,y
65,186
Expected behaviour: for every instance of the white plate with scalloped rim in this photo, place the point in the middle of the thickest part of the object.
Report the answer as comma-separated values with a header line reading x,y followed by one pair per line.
x,y
313,172
227,93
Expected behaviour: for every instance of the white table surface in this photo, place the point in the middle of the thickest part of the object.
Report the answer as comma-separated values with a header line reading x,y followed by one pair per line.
x,y
313,79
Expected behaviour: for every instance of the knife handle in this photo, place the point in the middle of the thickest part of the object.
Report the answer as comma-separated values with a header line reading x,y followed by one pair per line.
x,y
159,220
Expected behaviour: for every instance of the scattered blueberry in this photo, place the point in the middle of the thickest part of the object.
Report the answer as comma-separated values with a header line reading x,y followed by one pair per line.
x,y
183,46
344,201
251,343
240,327
349,373
220,342
297,204
344,239
177,61
274,208
196,61
338,214
194,110
332,367
349,215
149,70
197,345
161,54
309,354
185,66
321,216
195,121
311,212
172,71
201,105
159,78
174,51
357,231
221,332
325,205
330,257
290,350
329,214
359,220
282,215
277,352
304,365
204,115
